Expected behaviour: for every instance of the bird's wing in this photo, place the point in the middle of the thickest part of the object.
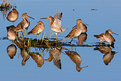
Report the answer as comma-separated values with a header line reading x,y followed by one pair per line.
x,y
57,23
58,16
57,20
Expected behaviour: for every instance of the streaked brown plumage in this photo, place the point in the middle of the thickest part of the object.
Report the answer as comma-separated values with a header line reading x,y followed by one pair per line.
x,y
11,34
37,58
38,28
24,24
55,23
80,28
11,50
54,55
108,57
108,37
82,37
103,49
25,55
12,15
75,57
100,37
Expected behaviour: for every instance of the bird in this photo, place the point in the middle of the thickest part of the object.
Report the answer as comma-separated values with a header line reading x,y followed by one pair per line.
x,y
108,57
12,15
11,34
37,58
11,50
25,55
109,38
76,58
37,29
79,28
24,24
103,49
55,55
55,23
82,37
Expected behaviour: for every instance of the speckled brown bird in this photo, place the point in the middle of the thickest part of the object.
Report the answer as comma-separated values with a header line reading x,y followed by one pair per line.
x,y
55,23
25,55
11,50
75,57
79,28
12,15
24,24
37,58
37,29
55,55
11,34
100,37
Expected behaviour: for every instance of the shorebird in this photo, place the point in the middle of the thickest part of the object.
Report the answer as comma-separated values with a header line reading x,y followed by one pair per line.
x,y
107,37
11,50
12,15
37,29
24,24
75,57
55,24
37,58
108,57
25,55
82,37
55,55
79,28
12,35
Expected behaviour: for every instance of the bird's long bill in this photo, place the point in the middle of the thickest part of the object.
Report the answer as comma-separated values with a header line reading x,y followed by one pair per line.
x,y
115,33
43,18
31,17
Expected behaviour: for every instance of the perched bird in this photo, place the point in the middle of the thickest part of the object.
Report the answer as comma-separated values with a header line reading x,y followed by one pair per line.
x,y
55,23
37,29
11,34
11,50
37,58
80,28
25,55
107,37
82,37
12,15
75,57
24,24
54,55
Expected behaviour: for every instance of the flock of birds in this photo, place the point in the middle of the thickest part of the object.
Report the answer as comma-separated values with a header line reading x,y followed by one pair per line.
x,y
55,26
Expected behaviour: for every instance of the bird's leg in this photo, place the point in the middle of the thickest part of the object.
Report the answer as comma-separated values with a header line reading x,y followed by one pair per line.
x,y
51,34
21,34
37,37
27,33
71,41
75,41
56,36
